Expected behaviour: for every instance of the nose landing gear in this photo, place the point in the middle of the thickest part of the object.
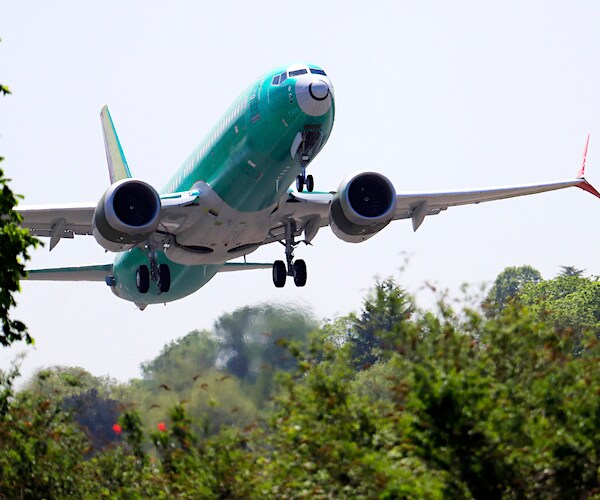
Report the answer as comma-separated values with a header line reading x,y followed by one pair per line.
x,y
295,269
304,179
159,273
312,139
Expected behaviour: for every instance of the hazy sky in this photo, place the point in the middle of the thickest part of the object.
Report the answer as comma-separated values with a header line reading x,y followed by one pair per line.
x,y
435,95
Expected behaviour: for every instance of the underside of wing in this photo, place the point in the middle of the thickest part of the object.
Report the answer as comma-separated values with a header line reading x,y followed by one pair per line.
x,y
302,213
58,221
96,272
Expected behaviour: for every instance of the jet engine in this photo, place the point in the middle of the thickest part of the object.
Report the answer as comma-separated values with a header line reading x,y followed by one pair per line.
x,y
127,214
364,204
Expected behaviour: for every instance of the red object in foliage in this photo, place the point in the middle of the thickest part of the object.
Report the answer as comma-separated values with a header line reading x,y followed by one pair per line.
x,y
117,429
162,427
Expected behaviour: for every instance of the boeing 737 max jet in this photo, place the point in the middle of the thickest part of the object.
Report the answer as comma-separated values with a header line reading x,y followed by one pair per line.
x,y
232,195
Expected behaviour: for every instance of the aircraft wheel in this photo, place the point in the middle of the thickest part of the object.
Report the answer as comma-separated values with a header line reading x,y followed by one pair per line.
x,y
142,279
310,183
279,273
164,279
300,273
299,183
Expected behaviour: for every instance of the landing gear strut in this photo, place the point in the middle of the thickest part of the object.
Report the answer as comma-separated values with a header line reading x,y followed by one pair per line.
x,y
159,273
296,269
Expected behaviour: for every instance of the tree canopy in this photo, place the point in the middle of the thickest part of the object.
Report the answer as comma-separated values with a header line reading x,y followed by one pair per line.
x,y
456,404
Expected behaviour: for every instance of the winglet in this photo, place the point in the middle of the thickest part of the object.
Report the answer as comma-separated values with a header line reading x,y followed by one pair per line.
x,y
585,185
117,164
581,172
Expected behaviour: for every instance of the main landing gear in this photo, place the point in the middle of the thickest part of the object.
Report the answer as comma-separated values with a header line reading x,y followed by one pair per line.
x,y
295,269
159,273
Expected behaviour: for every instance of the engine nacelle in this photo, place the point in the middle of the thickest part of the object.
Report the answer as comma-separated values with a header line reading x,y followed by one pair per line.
x,y
364,204
126,215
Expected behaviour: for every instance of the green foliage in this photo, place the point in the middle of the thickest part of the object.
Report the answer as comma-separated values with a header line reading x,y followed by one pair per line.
x,y
571,271
457,405
14,245
248,339
60,382
40,450
93,401
223,377
507,286
567,302
181,360
371,335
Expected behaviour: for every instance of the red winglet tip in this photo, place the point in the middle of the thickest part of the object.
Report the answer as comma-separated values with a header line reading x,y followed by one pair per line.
x,y
586,186
581,172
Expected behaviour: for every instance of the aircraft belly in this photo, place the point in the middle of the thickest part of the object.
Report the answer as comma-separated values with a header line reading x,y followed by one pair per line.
x,y
219,234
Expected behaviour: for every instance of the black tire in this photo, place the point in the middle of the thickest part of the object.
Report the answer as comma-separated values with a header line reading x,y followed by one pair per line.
x,y
279,273
300,273
164,278
310,183
142,279
299,183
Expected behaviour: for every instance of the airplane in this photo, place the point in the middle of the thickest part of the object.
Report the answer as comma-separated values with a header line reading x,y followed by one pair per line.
x,y
232,195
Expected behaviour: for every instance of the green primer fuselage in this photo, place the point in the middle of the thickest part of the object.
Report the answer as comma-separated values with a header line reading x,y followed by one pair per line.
x,y
246,159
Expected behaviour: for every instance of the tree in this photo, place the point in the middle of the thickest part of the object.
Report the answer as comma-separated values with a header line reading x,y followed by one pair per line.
x,y
507,286
252,344
181,361
568,302
385,309
93,401
571,271
14,245
249,337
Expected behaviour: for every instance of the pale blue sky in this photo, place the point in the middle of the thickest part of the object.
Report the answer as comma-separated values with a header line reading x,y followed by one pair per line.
x,y
435,95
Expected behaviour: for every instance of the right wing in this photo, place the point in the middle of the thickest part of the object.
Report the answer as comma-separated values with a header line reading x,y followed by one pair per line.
x,y
58,221
67,220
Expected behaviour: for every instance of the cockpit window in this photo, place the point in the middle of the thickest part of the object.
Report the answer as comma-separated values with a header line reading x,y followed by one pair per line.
x,y
298,72
275,80
282,77
318,71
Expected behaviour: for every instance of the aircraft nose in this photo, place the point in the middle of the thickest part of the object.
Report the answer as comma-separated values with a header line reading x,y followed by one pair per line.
x,y
319,90
314,95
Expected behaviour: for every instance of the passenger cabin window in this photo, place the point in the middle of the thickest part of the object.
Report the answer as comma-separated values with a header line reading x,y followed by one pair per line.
x,y
275,80
298,72
318,71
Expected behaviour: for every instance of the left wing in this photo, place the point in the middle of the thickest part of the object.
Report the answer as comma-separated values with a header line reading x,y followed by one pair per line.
x,y
418,205
310,211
